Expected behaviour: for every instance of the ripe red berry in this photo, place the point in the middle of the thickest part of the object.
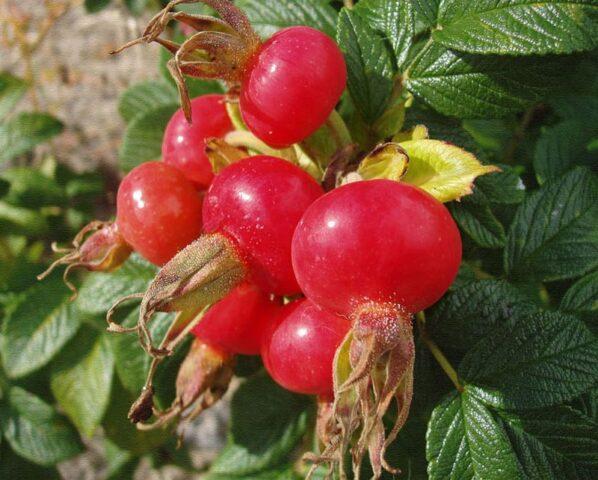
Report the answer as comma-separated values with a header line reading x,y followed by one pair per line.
x,y
237,322
298,347
290,87
376,241
158,211
184,143
257,202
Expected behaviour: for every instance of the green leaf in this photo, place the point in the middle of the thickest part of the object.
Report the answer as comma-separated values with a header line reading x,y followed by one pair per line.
x,y
37,329
132,362
30,188
144,97
16,468
11,91
142,141
518,27
280,473
544,360
582,297
100,290
554,234
266,424
34,430
22,221
426,11
465,441
560,442
81,378
468,314
504,187
394,19
23,132
94,6
268,16
475,218
562,146
470,86
369,65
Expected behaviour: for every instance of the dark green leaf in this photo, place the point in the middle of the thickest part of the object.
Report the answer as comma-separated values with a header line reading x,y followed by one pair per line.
x,y
544,360
37,329
22,221
518,27
470,313
268,16
475,217
11,91
573,106
473,86
144,97
561,147
505,187
426,11
142,141
34,430
100,290
14,467
582,296
369,65
490,134
465,441
266,424
94,6
81,379
23,132
281,473
394,19
30,188
555,231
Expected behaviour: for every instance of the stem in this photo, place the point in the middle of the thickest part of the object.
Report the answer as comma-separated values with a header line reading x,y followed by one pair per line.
x,y
338,129
438,355
246,139
519,134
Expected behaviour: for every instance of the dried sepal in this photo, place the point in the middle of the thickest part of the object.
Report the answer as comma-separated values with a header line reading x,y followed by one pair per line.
x,y
199,275
372,368
387,160
97,247
221,154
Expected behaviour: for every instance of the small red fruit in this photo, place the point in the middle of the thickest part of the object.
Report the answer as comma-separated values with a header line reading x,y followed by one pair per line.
x,y
236,323
158,211
184,143
298,347
291,85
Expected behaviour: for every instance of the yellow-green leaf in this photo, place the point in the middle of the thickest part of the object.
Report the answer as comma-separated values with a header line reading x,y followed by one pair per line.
x,y
387,160
417,132
444,170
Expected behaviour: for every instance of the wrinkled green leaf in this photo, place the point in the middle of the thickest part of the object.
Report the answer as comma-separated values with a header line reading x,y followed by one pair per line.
x,y
34,430
468,314
11,91
541,361
504,187
30,188
470,86
582,296
268,16
100,290
81,378
24,131
37,329
144,97
474,216
266,424
555,231
369,65
518,27
142,141
426,11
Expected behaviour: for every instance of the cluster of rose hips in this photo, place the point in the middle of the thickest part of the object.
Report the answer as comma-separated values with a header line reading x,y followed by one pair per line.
x,y
292,273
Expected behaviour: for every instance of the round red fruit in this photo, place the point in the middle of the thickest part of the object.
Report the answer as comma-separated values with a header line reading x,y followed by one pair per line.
x,y
257,202
158,211
299,346
184,143
236,323
290,87
376,241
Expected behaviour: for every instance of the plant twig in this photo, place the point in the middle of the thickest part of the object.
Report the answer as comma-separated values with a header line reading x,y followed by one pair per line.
x,y
348,3
519,134
438,355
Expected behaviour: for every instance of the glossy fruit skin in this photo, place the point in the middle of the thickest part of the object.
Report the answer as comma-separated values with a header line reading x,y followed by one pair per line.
x,y
158,211
376,241
257,202
298,348
236,323
184,144
292,85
